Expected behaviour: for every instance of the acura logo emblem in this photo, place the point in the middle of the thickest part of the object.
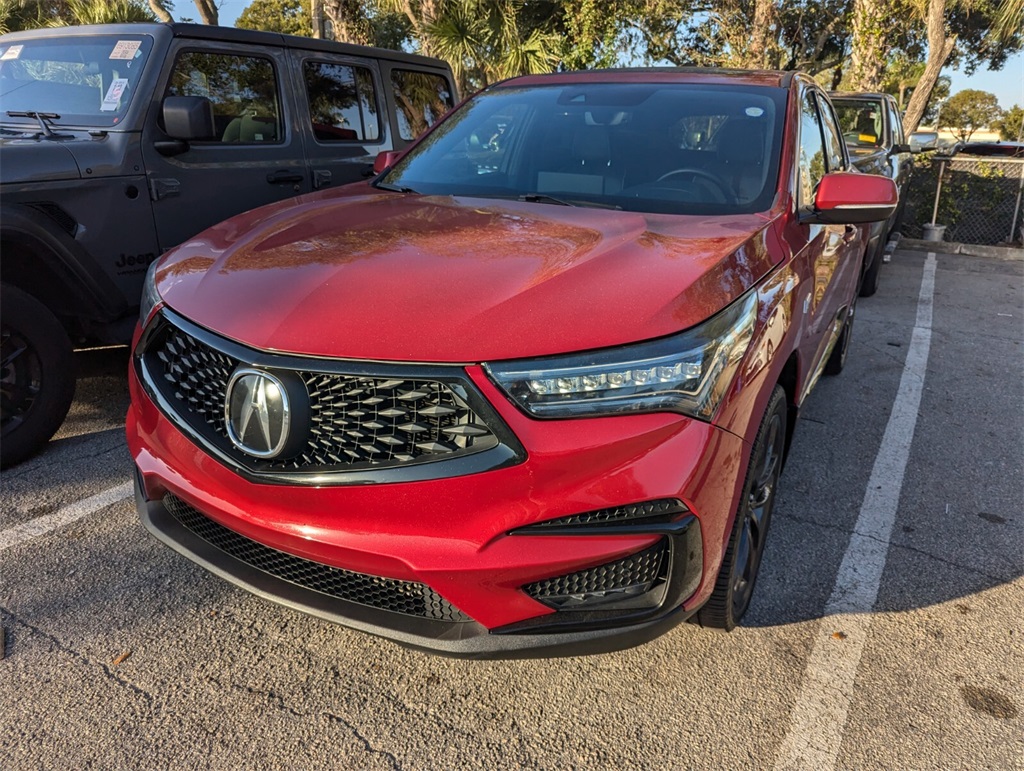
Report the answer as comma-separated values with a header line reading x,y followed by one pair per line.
x,y
258,413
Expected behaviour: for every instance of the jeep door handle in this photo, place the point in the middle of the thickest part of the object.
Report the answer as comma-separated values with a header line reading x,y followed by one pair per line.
x,y
283,177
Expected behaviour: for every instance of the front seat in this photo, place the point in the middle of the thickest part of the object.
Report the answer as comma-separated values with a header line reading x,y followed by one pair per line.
x,y
741,157
251,128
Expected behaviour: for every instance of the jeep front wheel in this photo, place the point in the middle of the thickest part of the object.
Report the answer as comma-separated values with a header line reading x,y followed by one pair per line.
x,y
37,380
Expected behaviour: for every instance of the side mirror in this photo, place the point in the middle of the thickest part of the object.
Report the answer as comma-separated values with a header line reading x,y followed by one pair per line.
x,y
386,160
847,198
189,117
898,149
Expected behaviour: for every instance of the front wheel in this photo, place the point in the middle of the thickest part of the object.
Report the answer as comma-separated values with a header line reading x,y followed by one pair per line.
x,y
735,583
872,276
37,381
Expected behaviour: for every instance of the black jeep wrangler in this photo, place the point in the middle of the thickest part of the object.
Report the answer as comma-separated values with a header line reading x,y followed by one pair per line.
x,y
119,142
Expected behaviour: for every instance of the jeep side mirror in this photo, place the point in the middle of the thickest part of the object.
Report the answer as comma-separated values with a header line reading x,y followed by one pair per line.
x,y
189,117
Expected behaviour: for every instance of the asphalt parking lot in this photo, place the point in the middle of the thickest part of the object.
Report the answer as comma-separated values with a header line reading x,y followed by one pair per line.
x,y
886,630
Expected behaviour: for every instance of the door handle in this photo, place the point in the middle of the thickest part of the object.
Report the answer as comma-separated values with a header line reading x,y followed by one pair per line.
x,y
283,177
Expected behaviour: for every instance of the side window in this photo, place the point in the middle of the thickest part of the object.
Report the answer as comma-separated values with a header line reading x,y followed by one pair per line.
x,y
896,122
812,151
422,98
342,103
833,139
243,90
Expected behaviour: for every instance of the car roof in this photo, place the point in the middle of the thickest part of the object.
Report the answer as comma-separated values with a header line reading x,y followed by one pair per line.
x,y
228,34
706,75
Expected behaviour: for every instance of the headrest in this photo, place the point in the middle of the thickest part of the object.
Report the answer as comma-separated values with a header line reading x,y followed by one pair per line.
x,y
741,141
590,144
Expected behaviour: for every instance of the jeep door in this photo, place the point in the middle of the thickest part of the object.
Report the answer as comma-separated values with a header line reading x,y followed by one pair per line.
x,y
418,99
344,116
256,154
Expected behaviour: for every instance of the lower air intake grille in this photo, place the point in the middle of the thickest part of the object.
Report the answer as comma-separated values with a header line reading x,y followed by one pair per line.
x,y
634,575
407,597
662,509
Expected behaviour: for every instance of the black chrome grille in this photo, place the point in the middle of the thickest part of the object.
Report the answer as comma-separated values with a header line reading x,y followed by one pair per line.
x,y
356,421
637,573
406,597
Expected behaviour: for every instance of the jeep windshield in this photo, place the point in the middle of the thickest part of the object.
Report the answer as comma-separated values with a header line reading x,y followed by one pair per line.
x,y
86,80
672,148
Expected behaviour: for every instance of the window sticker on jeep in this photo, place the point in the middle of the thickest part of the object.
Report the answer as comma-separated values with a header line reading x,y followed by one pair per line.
x,y
125,49
11,53
113,97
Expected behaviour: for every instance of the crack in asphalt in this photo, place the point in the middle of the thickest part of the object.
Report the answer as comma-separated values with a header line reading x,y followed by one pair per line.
x,y
898,545
80,657
279,702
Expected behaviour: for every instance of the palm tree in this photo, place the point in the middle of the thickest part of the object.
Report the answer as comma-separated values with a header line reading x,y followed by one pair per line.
x,y
482,40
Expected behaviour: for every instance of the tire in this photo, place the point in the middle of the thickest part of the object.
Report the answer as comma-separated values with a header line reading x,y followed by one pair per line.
x,y
872,276
837,359
736,579
37,380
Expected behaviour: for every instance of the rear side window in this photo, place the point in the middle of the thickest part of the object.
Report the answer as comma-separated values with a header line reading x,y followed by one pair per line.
x,y
833,141
421,98
242,89
342,102
812,150
896,123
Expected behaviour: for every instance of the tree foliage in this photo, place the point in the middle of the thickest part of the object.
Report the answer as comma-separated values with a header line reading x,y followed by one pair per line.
x,y
969,110
289,17
1011,125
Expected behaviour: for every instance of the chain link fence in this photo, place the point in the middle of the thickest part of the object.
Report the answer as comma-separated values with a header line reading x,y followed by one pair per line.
x,y
978,202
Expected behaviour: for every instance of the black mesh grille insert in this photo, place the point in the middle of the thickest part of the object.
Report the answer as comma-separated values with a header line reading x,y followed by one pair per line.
x,y
640,571
407,597
664,508
355,421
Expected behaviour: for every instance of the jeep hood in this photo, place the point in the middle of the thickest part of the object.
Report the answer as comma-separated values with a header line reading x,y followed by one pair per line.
x,y
442,279
32,160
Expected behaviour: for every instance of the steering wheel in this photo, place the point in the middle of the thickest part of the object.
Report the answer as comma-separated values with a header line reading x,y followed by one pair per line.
x,y
716,187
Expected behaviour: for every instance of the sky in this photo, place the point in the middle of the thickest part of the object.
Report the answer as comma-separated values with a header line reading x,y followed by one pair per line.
x,y
1007,84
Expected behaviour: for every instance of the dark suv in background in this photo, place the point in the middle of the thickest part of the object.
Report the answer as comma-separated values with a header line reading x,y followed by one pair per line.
x,y
118,142
873,133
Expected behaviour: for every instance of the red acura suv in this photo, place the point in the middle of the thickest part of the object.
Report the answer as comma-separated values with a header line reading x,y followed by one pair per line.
x,y
529,390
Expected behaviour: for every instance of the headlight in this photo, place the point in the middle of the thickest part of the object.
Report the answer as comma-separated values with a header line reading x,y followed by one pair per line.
x,y
687,373
150,297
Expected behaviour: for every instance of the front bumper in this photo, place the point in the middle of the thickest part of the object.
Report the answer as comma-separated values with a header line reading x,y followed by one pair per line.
x,y
467,538
462,638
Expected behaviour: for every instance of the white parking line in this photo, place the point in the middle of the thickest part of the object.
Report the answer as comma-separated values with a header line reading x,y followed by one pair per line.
x,y
819,717
34,528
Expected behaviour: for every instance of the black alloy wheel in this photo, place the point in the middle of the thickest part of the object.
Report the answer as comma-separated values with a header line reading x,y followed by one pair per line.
x,y
734,586
872,276
37,381
837,359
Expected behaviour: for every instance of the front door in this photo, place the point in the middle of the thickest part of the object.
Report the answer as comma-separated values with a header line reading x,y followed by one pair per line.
x,y
255,156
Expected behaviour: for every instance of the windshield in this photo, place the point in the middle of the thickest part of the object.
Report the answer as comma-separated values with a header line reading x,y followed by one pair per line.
x,y
86,80
663,148
861,121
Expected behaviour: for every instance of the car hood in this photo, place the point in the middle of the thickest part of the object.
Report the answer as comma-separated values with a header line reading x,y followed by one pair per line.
x,y
447,279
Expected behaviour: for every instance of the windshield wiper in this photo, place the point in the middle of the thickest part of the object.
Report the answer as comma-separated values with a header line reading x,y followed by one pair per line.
x,y
393,188
42,117
541,198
